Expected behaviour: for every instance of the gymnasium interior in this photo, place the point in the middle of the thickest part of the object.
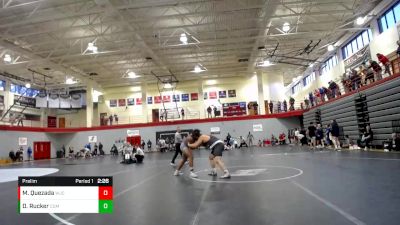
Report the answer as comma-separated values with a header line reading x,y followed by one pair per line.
x,y
199,112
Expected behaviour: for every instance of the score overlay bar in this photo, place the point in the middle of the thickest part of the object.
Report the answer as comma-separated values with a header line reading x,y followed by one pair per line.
x,y
65,195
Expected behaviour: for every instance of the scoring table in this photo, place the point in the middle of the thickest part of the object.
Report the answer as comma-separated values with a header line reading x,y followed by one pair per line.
x,y
65,195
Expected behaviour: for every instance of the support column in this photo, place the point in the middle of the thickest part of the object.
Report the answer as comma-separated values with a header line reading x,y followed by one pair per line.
x,y
43,117
8,99
276,88
89,105
144,103
201,99
260,85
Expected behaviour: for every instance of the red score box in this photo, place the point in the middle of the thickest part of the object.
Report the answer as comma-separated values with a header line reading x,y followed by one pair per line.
x,y
105,193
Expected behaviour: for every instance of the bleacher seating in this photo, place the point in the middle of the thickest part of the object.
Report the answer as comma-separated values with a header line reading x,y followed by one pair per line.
x,y
383,109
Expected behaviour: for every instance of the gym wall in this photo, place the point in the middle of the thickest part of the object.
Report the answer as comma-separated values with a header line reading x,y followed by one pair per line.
x,y
108,137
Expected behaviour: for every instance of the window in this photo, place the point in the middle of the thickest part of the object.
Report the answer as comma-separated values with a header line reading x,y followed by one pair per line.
x,y
329,64
357,43
389,18
2,85
308,79
22,90
296,88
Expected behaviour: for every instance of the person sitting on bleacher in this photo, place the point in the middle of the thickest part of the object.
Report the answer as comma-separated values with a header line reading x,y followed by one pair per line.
x,y
392,144
366,138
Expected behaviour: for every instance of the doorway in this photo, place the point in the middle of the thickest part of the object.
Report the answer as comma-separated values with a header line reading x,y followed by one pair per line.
x,y
41,150
61,122
155,115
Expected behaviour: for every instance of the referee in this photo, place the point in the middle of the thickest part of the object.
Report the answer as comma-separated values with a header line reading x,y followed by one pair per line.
x,y
178,141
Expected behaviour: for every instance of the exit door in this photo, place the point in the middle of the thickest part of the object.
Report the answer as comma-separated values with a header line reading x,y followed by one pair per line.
x,y
41,150
155,115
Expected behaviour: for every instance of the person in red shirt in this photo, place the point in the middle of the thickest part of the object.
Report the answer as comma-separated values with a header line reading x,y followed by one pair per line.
x,y
385,61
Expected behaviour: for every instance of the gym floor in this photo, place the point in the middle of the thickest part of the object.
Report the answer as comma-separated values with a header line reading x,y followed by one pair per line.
x,y
275,185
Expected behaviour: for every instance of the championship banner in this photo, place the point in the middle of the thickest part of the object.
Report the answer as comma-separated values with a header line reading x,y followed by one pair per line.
x,y
113,103
166,98
76,101
131,101
41,99
185,97
157,99
194,96
138,101
121,102
65,101
231,93
212,95
24,101
222,94
149,100
54,101
363,55
176,98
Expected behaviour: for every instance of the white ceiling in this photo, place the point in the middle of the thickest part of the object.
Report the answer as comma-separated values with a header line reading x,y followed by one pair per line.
x,y
55,33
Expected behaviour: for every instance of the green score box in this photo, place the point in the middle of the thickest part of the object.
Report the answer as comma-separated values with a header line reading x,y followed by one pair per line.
x,y
105,206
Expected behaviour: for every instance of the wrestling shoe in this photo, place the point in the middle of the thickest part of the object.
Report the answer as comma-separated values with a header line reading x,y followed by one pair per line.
x,y
178,173
172,164
225,176
212,173
193,175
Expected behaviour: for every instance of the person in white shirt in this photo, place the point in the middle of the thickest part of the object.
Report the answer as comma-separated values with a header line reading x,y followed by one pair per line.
x,y
139,155
298,136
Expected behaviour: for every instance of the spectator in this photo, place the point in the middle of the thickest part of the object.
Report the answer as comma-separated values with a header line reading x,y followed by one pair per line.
x,y
284,105
110,119
279,106
298,136
328,130
334,89
377,69
311,135
143,144
215,111
346,83
392,144
355,80
366,138
242,142
182,114
260,143
271,107
101,148
311,98
209,110
63,151
114,150
250,138
319,136
398,48
71,152
12,155
335,135
139,155
282,139
19,156
29,151
385,62
307,103
149,145
116,118
228,139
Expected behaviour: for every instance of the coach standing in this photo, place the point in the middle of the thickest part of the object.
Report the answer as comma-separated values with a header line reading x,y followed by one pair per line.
x,y
178,141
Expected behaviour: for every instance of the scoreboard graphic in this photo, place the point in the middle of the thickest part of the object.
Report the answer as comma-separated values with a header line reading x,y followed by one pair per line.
x,y
65,195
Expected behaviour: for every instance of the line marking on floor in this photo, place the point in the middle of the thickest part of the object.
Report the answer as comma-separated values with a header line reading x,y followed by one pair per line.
x,y
330,205
66,221
203,197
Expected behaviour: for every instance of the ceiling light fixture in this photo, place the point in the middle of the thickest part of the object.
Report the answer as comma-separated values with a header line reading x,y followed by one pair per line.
x,y
168,85
91,47
265,63
132,75
286,27
70,80
360,20
184,39
7,58
311,65
331,48
28,85
198,69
